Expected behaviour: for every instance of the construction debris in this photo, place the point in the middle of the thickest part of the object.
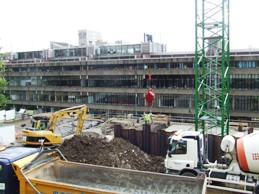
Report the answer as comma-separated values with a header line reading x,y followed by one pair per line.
x,y
118,153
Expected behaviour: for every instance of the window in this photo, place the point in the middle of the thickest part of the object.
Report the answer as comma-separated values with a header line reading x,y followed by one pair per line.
x,y
43,126
178,147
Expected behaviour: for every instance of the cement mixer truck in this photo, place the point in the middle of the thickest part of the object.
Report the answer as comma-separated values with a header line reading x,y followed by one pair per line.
x,y
238,173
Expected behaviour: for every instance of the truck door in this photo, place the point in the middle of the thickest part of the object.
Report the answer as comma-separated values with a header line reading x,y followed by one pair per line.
x,y
177,154
182,154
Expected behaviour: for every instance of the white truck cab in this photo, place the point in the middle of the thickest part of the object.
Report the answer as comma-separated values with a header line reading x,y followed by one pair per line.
x,y
185,153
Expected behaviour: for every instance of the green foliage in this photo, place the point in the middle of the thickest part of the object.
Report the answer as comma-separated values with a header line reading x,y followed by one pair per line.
x,y
3,84
3,101
2,65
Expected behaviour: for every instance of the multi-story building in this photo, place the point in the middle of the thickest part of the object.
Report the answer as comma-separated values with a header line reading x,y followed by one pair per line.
x,y
89,38
115,79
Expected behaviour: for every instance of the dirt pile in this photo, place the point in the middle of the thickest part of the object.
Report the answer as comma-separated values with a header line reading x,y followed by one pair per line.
x,y
116,153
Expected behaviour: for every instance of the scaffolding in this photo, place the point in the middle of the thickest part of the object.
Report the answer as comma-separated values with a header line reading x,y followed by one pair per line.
x,y
212,63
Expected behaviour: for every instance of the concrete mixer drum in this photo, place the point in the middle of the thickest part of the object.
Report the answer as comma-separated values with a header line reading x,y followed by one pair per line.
x,y
227,143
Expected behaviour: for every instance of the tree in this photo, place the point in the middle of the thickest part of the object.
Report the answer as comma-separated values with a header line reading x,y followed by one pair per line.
x,y
3,84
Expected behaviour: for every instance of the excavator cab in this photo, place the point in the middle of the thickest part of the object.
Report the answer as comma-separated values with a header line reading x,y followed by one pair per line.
x,y
41,125
40,122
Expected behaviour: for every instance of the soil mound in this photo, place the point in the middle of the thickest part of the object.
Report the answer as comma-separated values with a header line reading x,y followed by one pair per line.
x,y
118,153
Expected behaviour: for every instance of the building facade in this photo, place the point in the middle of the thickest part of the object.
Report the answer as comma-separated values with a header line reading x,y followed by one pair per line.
x,y
116,78
89,38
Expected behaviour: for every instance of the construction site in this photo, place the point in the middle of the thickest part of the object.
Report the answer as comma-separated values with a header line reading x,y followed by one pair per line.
x,y
124,142
76,144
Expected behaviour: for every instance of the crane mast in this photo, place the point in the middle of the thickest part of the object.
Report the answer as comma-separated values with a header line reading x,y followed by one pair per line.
x,y
212,65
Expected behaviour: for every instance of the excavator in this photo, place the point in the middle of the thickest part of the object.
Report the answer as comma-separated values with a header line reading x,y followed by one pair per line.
x,y
43,127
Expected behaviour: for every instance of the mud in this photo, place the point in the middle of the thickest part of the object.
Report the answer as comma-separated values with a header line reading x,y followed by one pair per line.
x,y
118,153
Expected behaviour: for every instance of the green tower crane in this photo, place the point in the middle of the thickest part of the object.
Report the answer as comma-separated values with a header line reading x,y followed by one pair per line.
x,y
212,66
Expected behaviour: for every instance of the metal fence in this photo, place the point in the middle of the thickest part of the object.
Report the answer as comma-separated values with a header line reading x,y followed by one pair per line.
x,y
156,143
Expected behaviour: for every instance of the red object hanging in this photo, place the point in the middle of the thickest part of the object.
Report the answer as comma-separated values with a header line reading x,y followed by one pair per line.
x,y
149,77
150,97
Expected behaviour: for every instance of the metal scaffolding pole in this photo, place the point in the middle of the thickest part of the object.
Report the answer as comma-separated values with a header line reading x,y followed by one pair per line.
x,y
212,65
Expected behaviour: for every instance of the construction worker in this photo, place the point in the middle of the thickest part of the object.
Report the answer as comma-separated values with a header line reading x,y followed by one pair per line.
x,y
147,118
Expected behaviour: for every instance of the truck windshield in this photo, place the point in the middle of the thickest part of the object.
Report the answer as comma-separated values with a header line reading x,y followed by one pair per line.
x,y
179,147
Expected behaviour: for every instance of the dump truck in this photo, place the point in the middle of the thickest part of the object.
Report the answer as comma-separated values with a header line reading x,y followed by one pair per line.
x,y
43,128
27,170
238,173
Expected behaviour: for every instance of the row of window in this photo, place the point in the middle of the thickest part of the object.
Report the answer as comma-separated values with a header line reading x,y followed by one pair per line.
x,y
71,52
30,55
82,52
242,103
119,49
141,66
248,81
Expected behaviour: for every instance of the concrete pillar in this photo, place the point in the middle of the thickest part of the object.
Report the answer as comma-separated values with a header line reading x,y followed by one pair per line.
x,y
82,81
55,96
175,103
233,103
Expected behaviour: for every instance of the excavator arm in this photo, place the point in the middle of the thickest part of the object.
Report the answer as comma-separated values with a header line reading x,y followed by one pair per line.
x,y
81,118
79,111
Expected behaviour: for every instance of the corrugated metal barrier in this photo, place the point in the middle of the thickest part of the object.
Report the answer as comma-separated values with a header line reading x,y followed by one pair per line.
x,y
156,143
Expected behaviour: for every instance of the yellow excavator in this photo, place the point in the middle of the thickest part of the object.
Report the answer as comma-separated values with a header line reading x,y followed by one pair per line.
x,y
43,126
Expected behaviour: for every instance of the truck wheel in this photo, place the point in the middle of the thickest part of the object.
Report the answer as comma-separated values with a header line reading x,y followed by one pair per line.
x,y
188,173
256,190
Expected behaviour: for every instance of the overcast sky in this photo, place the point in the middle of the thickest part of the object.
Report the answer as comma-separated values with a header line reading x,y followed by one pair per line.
x,y
31,24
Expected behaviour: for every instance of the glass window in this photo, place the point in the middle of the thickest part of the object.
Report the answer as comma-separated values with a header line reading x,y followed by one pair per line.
x,y
43,126
178,147
130,49
34,124
137,48
124,49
